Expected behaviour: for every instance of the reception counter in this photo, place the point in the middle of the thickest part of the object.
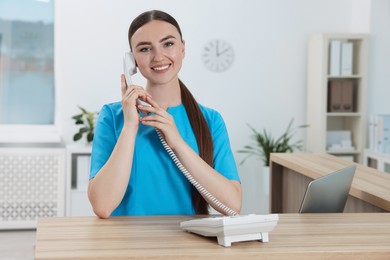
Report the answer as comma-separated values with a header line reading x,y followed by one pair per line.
x,y
291,173
296,236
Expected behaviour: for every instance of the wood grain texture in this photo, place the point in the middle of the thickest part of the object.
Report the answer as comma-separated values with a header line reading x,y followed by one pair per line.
x,y
297,236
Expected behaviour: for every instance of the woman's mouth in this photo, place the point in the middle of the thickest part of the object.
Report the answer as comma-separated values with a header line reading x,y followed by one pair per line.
x,y
161,68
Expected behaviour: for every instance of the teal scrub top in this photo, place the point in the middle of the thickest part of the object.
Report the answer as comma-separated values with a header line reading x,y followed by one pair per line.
x,y
157,186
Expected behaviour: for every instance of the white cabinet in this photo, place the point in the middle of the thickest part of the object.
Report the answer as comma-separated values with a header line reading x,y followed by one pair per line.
x,y
336,95
379,161
78,164
32,182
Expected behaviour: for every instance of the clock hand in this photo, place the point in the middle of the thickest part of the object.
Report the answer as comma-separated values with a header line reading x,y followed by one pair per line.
x,y
222,52
217,49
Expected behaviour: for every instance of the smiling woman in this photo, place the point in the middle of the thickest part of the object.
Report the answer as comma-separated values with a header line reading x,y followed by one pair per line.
x,y
27,91
131,174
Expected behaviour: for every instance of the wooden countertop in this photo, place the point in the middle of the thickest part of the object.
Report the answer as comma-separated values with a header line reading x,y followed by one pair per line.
x,y
369,184
297,236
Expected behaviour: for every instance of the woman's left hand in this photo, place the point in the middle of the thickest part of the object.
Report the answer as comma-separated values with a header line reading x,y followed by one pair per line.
x,y
161,120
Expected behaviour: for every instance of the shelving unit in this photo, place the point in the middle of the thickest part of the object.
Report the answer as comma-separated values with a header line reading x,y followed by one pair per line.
x,y
77,175
320,116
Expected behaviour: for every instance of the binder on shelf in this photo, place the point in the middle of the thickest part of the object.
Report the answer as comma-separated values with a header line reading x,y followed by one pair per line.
x,y
335,58
347,94
371,132
386,134
380,133
334,96
341,96
346,68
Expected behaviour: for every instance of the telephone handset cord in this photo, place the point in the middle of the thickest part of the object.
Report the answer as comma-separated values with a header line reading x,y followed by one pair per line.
x,y
191,179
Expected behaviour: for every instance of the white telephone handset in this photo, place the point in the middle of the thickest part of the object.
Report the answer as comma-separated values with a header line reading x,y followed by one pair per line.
x,y
129,69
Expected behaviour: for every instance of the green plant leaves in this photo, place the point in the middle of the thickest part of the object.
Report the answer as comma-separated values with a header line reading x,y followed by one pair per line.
x,y
89,137
87,120
77,137
265,143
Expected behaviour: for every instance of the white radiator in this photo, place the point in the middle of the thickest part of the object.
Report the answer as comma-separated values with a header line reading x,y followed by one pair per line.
x,y
32,185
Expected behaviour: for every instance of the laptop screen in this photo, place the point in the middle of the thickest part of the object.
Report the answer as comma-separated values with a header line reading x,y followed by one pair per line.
x,y
329,193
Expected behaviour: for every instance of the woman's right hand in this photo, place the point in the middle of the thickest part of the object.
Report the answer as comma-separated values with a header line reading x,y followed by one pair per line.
x,y
129,102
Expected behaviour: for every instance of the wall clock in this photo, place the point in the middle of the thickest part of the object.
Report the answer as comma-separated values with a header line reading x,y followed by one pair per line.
x,y
217,55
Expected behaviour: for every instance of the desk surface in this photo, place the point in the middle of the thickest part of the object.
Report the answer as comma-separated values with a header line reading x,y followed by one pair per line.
x,y
297,236
369,184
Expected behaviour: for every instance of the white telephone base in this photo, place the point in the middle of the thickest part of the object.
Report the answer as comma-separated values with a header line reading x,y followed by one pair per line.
x,y
233,229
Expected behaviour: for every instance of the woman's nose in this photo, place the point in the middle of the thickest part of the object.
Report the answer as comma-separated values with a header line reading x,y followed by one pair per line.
x,y
158,55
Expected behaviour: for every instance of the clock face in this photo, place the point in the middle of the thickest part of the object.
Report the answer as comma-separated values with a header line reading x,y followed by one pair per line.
x,y
217,55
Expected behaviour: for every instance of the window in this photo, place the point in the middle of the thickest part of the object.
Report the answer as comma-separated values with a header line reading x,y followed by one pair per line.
x,y
27,90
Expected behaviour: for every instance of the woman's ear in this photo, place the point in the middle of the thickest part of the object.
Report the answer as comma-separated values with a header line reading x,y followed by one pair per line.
x,y
184,48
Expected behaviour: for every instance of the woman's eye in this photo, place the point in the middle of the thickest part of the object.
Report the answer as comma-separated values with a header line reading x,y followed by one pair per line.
x,y
144,49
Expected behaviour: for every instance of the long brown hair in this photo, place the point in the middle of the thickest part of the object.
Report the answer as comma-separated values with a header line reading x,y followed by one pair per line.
x,y
195,115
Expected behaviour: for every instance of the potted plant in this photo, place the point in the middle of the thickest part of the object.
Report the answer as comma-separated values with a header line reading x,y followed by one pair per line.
x,y
265,143
87,121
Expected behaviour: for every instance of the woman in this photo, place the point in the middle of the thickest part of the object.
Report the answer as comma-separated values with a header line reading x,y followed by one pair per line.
x,y
131,173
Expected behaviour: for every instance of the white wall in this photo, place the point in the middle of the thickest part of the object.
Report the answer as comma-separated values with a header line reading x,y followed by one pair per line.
x,y
265,86
379,58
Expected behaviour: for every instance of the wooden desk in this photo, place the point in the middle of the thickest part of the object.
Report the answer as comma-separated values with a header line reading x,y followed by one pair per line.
x,y
297,236
291,173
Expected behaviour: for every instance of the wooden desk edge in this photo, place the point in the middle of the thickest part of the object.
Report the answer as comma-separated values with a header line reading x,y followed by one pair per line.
x,y
53,236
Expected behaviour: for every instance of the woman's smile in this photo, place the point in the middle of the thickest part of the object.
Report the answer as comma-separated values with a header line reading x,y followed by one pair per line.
x,y
161,68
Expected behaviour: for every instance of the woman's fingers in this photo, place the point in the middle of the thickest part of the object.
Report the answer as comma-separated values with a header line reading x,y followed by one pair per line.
x,y
123,84
157,119
154,108
138,91
128,90
163,121
151,101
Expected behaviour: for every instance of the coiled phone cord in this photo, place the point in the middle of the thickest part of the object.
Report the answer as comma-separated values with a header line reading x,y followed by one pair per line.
x,y
191,179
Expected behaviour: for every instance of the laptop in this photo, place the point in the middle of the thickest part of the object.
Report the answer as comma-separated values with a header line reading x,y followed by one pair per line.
x,y
329,193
